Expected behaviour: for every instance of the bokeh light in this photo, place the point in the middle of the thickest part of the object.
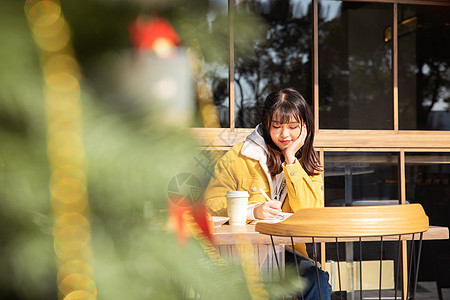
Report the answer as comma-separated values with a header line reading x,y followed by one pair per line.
x,y
71,242
74,266
42,13
61,63
63,82
45,32
80,295
71,230
69,190
77,282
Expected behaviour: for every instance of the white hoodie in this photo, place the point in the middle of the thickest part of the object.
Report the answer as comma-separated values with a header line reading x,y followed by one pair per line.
x,y
255,148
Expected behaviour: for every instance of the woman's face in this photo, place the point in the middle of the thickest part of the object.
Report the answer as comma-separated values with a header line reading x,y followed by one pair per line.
x,y
283,135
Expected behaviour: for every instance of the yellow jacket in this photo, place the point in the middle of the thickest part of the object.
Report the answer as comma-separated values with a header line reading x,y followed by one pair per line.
x,y
244,168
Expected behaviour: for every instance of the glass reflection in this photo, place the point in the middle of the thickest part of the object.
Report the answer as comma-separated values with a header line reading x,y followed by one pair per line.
x,y
361,178
355,73
423,62
274,53
208,34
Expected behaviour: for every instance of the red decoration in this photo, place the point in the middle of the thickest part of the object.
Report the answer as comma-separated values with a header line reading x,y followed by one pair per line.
x,y
203,219
183,216
144,33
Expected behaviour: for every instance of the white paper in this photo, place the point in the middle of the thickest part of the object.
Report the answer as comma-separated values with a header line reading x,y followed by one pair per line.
x,y
281,217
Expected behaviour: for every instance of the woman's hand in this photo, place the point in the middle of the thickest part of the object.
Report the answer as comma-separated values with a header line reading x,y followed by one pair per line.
x,y
289,152
267,210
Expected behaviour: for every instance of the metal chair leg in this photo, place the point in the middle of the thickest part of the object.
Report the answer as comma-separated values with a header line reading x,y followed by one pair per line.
x,y
399,251
416,277
360,269
381,267
276,257
411,260
339,269
317,268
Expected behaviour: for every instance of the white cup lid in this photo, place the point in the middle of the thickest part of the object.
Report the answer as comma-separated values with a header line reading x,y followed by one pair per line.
x,y
237,194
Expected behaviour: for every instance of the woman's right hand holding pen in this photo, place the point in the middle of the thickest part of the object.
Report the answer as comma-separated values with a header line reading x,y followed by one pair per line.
x,y
267,210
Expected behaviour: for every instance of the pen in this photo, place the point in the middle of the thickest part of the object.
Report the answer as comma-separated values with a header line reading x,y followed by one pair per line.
x,y
265,195
279,216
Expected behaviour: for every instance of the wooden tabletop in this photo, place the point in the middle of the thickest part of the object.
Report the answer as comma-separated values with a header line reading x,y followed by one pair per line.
x,y
231,235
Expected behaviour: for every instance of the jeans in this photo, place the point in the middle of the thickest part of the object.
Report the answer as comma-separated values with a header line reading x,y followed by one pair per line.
x,y
308,273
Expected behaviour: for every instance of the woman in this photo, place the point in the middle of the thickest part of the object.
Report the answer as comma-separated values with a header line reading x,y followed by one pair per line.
x,y
277,157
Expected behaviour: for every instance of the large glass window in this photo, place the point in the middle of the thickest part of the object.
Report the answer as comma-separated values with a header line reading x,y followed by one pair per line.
x,y
424,67
361,178
355,73
272,50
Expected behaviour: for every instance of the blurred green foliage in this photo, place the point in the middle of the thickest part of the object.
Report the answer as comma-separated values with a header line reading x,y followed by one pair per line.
x,y
26,245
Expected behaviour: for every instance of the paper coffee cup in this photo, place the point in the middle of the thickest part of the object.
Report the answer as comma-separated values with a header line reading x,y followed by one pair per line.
x,y
237,202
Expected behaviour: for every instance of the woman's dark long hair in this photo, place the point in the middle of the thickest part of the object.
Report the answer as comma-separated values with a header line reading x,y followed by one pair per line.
x,y
287,103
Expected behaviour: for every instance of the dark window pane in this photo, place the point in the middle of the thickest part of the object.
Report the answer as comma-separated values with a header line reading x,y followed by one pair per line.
x,y
361,178
428,183
355,73
423,62
272,51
